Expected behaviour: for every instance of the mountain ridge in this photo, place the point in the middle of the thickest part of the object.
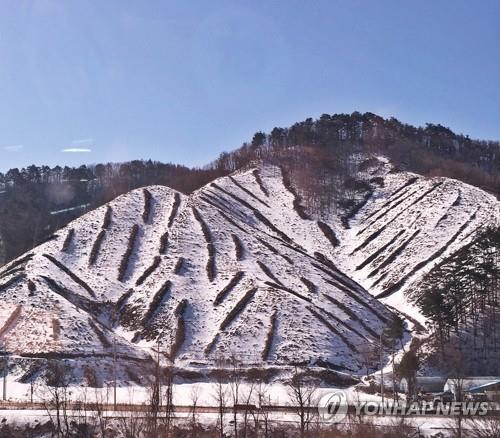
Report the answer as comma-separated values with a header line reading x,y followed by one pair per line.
x,y
231,268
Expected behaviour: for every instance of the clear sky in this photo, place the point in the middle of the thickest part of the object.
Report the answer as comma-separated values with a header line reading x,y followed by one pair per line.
x,y
182,81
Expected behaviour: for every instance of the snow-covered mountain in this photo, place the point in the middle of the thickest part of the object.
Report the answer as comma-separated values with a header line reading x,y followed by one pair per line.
x,y
410,224
236,268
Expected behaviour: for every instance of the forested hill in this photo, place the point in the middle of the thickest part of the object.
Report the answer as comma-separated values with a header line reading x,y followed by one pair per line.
x,y
36,201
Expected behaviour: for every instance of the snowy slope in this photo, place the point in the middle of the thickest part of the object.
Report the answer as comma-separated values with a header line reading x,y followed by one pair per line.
x,y
236,269
231,270
408,226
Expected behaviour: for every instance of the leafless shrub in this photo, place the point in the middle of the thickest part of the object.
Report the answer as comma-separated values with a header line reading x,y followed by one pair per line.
x,y
100,334
56,329
31,286
211,270
296,197
147,205
238,308
107,218
238,247
73,276
329,233
156,301
180,333
68,240
248,192
11,281
269,337
11,320
175,208
310,285
148,271
228,288
164,242
126,256
179,265
258,178
123,299
302,393
94,252
203,225
268,272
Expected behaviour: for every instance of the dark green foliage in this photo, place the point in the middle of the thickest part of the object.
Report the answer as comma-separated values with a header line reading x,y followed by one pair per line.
x,y
461,292
396,286
314,152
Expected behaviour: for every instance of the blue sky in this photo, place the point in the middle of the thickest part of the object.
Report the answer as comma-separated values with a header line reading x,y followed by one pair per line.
x,y
181,81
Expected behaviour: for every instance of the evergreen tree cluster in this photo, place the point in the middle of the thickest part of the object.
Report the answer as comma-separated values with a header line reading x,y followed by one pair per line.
x,y
461,298
315,154
36,201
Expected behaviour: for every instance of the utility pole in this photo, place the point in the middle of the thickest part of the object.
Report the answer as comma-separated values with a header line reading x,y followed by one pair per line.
x,y
114,374
5,371
382,369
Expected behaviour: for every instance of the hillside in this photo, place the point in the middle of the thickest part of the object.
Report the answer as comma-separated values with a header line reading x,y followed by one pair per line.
x,y
36,201
232,269
407,226
237,268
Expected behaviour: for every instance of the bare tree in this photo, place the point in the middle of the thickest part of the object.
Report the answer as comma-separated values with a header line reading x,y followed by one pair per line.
x,y
57,396
262,414
234,386
168,396
368,354
220,396
194,396
248,408
302,393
